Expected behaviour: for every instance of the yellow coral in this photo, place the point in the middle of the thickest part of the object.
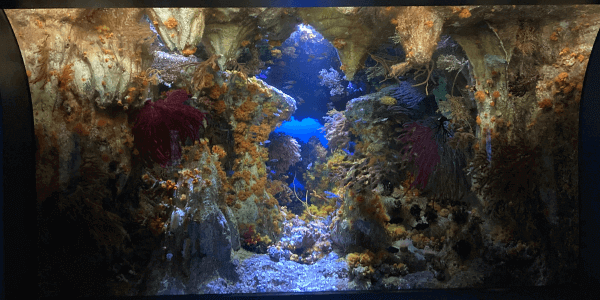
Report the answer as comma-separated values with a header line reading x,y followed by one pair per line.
x,y
387,100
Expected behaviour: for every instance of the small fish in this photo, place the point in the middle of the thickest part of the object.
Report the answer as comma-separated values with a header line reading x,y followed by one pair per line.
x,y
311,56
274,160
287,87
267,141
309,165
320,57
290,82
263,76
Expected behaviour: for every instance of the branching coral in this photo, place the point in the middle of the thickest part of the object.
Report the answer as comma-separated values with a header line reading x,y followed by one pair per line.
x,y
336,129
459,110
332,79
366,173
160,122
284,151
383,67
419,33
312,153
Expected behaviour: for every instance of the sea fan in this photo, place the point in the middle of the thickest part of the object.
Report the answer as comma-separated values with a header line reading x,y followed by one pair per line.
x,y
420,148
160,126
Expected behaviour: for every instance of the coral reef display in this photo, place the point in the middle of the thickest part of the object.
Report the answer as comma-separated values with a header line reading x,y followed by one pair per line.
x,y
177,147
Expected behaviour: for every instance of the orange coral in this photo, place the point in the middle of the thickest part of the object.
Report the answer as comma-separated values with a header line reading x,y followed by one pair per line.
x,y
353,259
219,107
65,77
564,51
215,92
101,122
261,133
339,43
259,187
219,151
244,111
171,23
568,88
478,120
496,94
546,103
561,78
274,43
243,195
366,258
480,96
188,51
81,129
465,13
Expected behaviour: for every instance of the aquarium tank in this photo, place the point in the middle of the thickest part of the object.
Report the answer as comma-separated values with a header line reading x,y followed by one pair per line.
x,y
313,149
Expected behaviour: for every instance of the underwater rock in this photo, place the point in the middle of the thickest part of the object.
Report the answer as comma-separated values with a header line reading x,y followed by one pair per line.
x,y
278,23
210,235
356,29
225,30
418,29
91,54
180,28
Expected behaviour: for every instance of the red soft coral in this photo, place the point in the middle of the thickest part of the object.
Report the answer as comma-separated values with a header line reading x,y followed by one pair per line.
x,y
421,148
160,126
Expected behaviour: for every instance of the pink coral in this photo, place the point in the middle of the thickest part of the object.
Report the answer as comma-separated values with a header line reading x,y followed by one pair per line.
x,y
160,126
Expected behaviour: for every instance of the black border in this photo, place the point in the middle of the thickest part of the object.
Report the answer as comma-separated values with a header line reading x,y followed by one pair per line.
x,y
17,168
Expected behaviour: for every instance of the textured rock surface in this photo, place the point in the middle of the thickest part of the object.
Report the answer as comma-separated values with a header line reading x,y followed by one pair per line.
x,y
357,30
180,28
90,70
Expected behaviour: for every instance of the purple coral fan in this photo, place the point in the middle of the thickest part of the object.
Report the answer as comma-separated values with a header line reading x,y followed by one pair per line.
x,y
422,149
160,126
